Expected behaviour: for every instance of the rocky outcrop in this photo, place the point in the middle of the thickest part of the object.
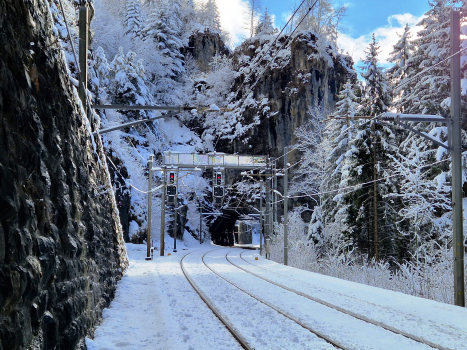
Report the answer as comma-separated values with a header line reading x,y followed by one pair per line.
x,y
274,98
203,46
61,246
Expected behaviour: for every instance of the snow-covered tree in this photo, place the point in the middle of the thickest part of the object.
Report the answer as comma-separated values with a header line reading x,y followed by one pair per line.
x,y
429,92
265,25
164,27
366,162
208,15
102,72
423,201
133,20
311,176
400,56
128,86
324,18
377,97
254,9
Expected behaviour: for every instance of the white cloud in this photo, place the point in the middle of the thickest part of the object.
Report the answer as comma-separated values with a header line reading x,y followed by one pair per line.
x,y
386,37
233,19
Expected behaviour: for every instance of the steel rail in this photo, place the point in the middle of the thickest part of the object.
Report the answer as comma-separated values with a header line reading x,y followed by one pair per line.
x,y
243,342
340,309
285,314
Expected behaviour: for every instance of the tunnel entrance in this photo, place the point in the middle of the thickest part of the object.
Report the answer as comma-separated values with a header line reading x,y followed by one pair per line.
x,y
222,229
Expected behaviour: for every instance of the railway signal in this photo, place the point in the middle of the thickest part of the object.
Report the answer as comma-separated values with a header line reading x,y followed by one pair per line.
x,y
218,189
171,189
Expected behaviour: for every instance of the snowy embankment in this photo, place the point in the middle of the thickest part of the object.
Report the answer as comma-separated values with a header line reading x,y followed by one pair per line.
x,y
156,308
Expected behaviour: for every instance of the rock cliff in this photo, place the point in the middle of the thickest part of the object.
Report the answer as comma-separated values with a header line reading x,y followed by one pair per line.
x,y
275,86
61,246
203,46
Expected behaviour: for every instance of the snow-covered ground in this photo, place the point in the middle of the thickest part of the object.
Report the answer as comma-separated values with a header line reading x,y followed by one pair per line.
x,y
156,308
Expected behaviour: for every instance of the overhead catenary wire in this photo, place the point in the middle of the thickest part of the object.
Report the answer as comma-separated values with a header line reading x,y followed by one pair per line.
x,y
69,37
359,186
274,42
298,25
413,78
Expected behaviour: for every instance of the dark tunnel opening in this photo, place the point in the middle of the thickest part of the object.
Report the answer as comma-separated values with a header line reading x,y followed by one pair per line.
x,y
222,229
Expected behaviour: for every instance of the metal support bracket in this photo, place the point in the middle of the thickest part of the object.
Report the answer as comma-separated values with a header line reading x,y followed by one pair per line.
x,y
422,134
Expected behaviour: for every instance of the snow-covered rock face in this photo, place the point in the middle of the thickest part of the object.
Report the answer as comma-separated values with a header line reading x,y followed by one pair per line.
x,y
273,98
204,46
61,250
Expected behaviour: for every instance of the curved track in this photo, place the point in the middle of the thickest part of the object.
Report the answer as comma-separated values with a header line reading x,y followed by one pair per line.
x,y
359,316
283,329
242,341
350,313
292,318
331,337
240,282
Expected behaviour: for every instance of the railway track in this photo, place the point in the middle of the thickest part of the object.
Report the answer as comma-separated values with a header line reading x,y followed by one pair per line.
x,y
359,316
340,309
233,329
222,318
326,336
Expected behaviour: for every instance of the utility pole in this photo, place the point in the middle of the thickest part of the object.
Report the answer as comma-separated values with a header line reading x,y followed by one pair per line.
x,y
267,230
83,54
274,207
148,237
175,214
375,194
200,220
273,195
162,240
286,207
261,218
457,219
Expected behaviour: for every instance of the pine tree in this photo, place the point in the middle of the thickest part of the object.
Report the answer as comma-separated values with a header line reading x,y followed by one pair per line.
x,y
164,28
265,25
366,162
208,16
324,19
429,92
102,71
377,97
340,132
133,20
254,8
400,56
128,86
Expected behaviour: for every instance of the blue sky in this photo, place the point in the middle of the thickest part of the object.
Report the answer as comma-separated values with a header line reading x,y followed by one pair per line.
x,y
363,16
385,18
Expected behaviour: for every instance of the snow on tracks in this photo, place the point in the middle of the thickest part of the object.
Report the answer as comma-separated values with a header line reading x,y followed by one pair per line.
x,y
341,329
260,326
440,325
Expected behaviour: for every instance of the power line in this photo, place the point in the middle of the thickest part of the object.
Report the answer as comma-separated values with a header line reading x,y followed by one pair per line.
x,y
359,186
413,78
274,42
69,37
